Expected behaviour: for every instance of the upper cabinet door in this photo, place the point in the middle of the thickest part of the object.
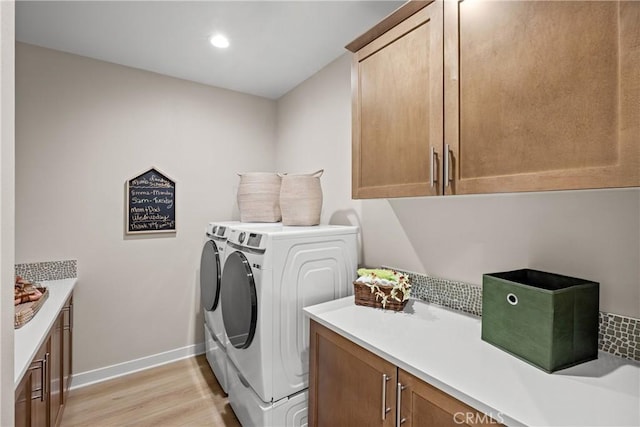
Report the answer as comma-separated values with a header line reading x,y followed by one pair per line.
x,y
397,91
542,95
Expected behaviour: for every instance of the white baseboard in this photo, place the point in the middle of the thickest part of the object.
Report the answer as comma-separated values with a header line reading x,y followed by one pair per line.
x,y
84,379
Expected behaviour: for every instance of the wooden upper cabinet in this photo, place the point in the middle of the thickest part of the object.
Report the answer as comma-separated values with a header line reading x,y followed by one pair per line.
x,y
520,95
397,92
542,95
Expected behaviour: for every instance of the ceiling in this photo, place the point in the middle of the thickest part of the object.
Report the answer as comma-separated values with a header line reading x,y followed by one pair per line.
x,y
275,45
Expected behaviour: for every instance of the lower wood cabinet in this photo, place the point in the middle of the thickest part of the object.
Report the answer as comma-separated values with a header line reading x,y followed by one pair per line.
x,y
55,371
422,404
349,386
31,402
42,392
40,385
67,345
23,402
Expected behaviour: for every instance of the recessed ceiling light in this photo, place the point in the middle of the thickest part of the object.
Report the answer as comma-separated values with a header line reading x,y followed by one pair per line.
x,y
218,40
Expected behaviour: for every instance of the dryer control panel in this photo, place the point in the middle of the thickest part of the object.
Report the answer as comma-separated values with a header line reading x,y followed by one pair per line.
x,y
254,240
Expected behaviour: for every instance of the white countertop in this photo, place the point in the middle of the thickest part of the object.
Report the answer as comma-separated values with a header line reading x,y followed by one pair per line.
x,y
443,347
29,338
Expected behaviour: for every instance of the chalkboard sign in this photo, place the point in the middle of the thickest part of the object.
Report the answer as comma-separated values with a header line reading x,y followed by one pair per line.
x,y
151,206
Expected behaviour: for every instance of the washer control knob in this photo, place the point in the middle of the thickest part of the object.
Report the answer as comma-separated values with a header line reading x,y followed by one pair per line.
x,y
241,237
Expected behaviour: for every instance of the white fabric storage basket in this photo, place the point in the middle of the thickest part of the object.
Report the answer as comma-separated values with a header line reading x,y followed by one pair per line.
x,y
301,199
259,197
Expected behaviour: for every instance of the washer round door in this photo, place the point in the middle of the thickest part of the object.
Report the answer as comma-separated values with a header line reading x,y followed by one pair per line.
x,y
210,277
239,300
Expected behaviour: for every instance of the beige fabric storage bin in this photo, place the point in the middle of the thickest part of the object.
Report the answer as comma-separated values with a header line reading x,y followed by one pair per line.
x,y
259,197
301,199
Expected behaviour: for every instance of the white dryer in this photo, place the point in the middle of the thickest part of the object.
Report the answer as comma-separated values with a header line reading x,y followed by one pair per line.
x,y
211,264
269,276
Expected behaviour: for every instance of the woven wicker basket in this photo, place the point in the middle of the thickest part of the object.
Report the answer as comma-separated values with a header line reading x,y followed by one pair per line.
x,y
301,198
25,311
364,296
259,197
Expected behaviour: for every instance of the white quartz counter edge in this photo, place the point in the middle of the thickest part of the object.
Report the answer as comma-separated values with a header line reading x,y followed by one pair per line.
x,y
29,338
443,347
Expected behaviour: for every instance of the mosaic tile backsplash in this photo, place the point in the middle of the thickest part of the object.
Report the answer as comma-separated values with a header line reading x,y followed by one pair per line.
x,y
618,335
48,270
447,293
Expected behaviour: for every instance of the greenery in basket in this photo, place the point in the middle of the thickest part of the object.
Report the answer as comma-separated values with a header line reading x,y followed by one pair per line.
x,y
374,278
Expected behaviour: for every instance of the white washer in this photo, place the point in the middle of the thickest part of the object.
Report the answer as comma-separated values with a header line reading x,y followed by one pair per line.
x,y
270,275
211,267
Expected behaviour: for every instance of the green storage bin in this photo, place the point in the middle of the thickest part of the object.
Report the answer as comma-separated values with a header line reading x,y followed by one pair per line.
x,y
545,319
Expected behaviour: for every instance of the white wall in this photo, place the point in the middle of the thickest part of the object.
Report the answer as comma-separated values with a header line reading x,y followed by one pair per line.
x,y
7,208
589,234
83,128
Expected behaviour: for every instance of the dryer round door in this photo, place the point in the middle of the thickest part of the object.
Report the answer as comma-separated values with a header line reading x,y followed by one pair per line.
x,y
210,276
239,300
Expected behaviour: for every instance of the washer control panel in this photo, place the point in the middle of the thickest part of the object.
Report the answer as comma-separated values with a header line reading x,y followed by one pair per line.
x,y
247,238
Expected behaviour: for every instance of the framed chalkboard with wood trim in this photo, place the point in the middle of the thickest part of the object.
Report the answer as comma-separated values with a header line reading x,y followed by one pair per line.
x,y
151,206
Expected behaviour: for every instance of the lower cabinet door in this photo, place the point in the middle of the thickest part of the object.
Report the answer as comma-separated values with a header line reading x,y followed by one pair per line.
x,y
423,405
39,370
55,371
67,347
348,385
23,402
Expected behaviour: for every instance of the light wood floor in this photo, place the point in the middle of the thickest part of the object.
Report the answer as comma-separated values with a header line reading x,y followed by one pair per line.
x,y
183,393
